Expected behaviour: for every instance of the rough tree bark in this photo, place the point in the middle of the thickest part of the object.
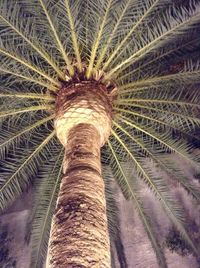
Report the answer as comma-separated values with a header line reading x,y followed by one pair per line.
x,y
79,233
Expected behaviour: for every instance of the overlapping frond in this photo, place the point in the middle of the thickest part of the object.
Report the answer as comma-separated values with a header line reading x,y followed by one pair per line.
x,y
112,208
128,185
12,136
9,20
168,144
158,187
190,71
16,175
46,191
174,26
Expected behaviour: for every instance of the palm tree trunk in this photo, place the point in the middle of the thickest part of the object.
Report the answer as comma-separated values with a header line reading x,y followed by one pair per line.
x,y
79,234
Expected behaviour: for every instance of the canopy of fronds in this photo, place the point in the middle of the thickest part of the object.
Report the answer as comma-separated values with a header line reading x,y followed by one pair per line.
x,y
150,49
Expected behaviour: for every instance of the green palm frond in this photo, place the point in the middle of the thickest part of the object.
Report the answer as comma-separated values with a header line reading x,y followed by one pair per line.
x,y
25,96
7,139
119,18
46,190
15,177
178,49
73,35
126,182
56,36
149,51
184,77
157,38
181,117
163,162
19,31
13,57
27,78
173,145
147,8
175,174
13,112
98,37
112,208
160,190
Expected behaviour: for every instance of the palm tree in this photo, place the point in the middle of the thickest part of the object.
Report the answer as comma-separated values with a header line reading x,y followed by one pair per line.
x,y
91,82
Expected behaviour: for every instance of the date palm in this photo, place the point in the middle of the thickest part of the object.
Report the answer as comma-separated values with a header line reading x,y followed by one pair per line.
x,y
94,82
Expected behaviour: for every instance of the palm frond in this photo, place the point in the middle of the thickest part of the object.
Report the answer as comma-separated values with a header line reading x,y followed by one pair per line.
x,y
113,216
161,191
178,146
7,20
25,95
18,59
127,184
173,52
175,26
28,78
73,35
148,6
16,177
185,77
180,116
7,140
164,123
46,190
56,37
164,163
119,18
175,174
24,110
98,37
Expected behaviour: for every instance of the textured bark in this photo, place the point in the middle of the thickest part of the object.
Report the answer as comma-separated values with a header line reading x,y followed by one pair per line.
x,y
86,102
79,235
